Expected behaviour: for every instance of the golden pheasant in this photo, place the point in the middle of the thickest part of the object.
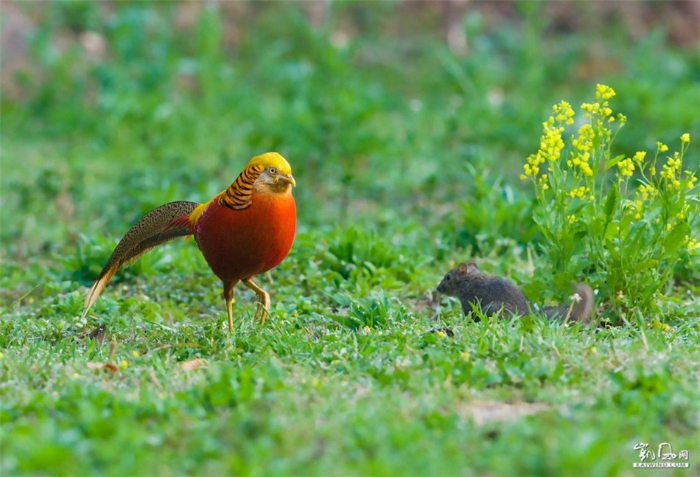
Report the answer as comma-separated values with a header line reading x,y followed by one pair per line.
x,y
244,231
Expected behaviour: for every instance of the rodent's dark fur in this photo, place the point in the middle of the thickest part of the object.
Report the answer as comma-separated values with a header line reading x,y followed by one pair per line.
x,y
492,294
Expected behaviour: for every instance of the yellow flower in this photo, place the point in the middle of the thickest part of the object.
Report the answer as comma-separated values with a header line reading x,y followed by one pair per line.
x,y
135,354
531,169
646,191
639,156
661,146
626,168
639,207
604,92
564,112
572,219
683,213
622,118
551,143
579,192
693,245
601,108
590,108
124,364
691,181
583,144
668,171
685,138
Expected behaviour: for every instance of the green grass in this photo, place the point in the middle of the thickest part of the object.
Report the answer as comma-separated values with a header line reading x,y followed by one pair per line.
x,y
404,168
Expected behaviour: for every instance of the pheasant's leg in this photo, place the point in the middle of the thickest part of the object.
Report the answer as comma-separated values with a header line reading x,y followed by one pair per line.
x,y
263,298
228,296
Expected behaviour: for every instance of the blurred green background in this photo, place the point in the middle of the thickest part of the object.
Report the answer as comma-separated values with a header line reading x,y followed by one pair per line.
x,y
407,124
420,110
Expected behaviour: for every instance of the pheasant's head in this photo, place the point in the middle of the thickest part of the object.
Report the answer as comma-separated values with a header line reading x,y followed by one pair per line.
x,y
276,175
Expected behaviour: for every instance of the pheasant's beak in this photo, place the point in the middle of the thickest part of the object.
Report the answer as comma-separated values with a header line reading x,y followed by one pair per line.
x,y
289,179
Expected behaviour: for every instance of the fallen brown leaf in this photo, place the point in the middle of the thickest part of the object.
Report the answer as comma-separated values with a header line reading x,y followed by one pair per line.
x,y
104,366
193,364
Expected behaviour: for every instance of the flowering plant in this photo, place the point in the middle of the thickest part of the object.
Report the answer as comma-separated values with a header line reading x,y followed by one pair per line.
x,y
620,223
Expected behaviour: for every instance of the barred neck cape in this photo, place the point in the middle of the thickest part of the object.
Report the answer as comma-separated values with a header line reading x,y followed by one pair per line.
x,y
238,195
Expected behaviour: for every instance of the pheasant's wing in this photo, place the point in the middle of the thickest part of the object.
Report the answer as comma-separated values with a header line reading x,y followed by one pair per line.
x,y
154,228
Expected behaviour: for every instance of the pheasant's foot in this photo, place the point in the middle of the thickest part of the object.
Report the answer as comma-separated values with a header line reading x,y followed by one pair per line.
x,y
261,313
228,296
263,298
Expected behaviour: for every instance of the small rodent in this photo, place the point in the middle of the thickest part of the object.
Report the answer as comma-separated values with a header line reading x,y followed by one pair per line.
x,y
493,294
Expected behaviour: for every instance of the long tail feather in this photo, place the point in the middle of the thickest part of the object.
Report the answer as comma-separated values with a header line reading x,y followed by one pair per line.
x,y
154,228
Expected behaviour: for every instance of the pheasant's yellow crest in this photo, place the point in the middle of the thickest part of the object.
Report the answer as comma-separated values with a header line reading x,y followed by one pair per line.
x,y
271,159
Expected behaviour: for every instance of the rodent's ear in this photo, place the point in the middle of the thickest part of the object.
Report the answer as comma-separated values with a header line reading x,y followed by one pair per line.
x,y
472,268
462,268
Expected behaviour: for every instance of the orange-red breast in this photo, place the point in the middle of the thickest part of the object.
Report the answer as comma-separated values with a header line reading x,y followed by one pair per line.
x,y
244,231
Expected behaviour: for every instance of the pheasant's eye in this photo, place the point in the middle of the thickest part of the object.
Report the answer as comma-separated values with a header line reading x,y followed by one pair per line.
x,y
272,170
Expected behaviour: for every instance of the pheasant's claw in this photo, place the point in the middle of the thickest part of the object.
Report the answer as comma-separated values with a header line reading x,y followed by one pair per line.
x,y
261,313
263,300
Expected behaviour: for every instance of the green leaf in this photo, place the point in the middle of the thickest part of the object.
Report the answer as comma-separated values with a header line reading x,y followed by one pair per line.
x,y
675,239
612,162
597,227
611,202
